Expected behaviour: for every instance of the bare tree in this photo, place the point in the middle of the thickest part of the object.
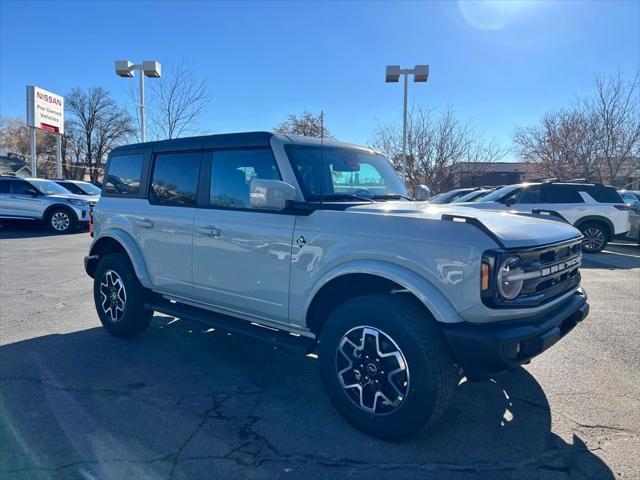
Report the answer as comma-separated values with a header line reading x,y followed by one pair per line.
x,y
596,138
307,124
97,124
437,147
14,138
175,104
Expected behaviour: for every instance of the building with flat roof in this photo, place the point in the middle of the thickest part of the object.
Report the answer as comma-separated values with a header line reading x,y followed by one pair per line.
x,y
477,174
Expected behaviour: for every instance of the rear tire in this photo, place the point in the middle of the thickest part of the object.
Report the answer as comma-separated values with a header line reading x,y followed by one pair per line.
x,y
61,220
596,237
383,404
119,297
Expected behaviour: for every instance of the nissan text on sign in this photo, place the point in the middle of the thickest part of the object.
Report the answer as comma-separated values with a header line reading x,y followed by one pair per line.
x,y
45,110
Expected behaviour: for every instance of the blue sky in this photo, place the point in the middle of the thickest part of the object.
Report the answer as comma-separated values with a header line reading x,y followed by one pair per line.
x,y
497,64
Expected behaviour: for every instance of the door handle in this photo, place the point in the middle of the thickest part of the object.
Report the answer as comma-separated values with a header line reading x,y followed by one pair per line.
x,y
209,231
144,223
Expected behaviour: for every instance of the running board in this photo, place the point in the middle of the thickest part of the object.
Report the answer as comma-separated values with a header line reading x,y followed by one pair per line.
x,y
234,325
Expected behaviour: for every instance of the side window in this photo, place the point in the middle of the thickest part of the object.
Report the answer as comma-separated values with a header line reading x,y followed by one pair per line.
x,y
125,172
232,172
529,195
603,194
4,186
562,194
175,179
20,187
73,188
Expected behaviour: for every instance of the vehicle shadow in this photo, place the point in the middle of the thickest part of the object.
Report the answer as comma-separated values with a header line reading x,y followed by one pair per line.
x,y
29,229
183,401
616,256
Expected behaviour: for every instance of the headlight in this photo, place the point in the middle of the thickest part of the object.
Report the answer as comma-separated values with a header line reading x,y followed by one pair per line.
x,y
509,287
79,203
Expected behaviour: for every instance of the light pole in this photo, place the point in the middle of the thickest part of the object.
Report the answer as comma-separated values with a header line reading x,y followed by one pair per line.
x,y
420,74
148,68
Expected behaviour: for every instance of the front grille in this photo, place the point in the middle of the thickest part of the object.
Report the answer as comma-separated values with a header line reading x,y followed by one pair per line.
x,y
551,271
556,262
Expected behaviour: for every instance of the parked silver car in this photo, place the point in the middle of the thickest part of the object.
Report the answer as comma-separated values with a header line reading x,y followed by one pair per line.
x,y
39,199
316,244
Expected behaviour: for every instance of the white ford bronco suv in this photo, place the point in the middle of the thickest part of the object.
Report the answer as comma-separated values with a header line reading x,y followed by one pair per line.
x,y
316,244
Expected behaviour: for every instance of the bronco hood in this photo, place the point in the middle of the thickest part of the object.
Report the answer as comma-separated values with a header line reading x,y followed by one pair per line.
x,y
509,229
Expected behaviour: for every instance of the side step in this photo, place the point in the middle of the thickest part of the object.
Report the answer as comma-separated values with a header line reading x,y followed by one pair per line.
x,y
235,325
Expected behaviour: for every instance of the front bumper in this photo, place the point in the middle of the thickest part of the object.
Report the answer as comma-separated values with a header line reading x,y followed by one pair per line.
x,y
483,350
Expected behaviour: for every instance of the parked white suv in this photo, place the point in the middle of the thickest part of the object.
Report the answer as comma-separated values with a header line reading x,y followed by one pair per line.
x,y
45,200
316,244
596,210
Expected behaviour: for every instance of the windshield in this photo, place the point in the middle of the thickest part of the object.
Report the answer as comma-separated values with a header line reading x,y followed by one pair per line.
x,y
89,188
471,196
339,173
447,197
48,187
496,195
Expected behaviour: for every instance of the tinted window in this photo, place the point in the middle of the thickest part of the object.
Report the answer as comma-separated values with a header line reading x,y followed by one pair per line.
x,y
175,179
124,174
20,187
529,195
4,186
562,194
232,172
603,194
71,187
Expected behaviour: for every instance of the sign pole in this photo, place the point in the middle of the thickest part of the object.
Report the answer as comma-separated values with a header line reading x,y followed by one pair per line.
x,y
58,155
34,167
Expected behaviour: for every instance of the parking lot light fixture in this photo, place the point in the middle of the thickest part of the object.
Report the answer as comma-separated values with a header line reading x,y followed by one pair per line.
x,y
148,68
420,75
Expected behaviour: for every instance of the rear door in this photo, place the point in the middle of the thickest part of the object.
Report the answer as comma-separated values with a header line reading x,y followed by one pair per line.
x,y
164,229
241,255
564,199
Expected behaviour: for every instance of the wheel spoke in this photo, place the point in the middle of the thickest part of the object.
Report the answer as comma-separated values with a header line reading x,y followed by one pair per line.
x,y
372,370
113,295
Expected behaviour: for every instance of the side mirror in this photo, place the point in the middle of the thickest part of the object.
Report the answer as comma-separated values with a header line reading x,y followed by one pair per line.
x,y
271,194
510,201
422,193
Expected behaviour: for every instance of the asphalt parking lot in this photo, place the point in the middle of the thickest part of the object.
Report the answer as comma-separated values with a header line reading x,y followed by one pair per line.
x,y
182,401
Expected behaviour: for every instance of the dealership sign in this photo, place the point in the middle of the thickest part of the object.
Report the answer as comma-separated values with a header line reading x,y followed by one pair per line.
x,y
45,110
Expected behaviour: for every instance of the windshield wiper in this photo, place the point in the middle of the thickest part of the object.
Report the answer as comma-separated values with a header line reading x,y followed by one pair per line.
x,y
340,196
393,196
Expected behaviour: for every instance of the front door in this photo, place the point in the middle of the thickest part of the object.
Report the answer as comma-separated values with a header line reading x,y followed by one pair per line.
x,y
241,255
25,200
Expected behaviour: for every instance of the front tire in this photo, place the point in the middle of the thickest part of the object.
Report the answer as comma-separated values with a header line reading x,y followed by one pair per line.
x,y
61,220
386,365
596,237
119,297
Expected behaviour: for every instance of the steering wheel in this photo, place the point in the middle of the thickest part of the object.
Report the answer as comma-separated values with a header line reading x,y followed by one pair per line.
x,y
363,192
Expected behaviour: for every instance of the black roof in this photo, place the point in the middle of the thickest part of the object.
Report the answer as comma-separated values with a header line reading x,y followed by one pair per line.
x,y
225,140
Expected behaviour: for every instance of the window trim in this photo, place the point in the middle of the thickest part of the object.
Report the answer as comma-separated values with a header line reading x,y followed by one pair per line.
x,y
144,174
152,169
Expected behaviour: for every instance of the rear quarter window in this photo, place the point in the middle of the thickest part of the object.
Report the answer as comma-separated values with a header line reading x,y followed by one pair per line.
x,y
124,175
605,194
4,186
